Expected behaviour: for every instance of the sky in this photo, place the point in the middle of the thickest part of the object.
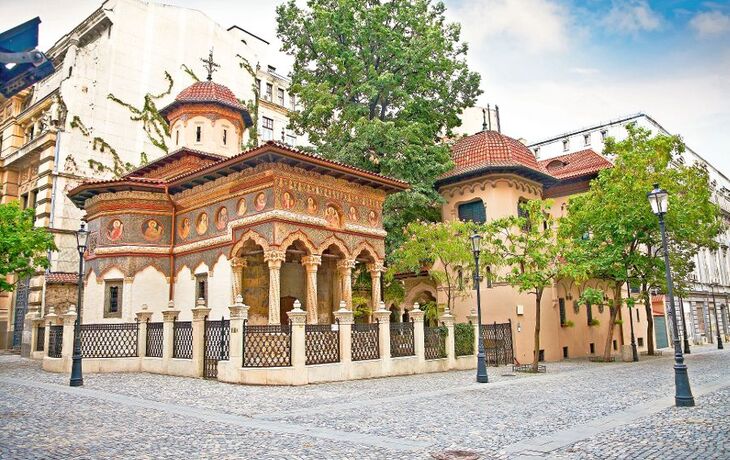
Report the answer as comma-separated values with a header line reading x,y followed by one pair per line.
x,y
551,65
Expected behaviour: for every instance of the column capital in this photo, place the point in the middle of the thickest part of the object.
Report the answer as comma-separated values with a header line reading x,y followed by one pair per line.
x,y
239,310
376,268
447,319
297,315
143,315
345,264
238,263
416,313
170,315
383,316
274,258
70,316
344,316
312,261
200,312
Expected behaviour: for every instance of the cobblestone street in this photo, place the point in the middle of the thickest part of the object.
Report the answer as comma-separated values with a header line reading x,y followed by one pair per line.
x,y
578,410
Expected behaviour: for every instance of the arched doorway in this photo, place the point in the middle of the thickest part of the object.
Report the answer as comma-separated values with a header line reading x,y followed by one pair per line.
x,y
331,282
295,281
251,274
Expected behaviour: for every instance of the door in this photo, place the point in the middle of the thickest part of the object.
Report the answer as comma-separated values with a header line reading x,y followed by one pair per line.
x,y
660,330
21,308
285,305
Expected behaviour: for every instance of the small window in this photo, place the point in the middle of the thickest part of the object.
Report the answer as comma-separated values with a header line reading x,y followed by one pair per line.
x,y
566,145
291,140
587,139
565,352
640,341
473,211
592,346
225,136
536,150
258,86
541,355
113,298
604,134
561,305
615,345
292,101
280,95
201,287
269,91
268,123
198,133
267,132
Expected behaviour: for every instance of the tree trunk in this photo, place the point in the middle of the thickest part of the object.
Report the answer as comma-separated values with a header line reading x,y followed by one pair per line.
x,y
536,357
649,321
615,308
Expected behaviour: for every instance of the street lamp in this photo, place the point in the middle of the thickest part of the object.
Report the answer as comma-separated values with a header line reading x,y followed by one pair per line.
x,y
658,198
634,351
77,379
687,350
476,243
717,322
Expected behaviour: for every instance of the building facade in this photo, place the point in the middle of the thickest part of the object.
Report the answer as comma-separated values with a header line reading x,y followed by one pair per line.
x,y
96,117
712,268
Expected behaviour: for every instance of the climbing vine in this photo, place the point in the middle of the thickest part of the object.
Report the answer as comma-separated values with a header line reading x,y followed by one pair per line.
x,y
190,72
252,105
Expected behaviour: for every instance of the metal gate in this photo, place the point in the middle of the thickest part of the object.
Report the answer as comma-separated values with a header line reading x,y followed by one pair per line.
x,y
217,346
498,343
21,308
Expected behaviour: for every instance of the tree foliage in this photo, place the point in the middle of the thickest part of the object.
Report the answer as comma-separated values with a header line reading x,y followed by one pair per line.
x,y
23,247
378,83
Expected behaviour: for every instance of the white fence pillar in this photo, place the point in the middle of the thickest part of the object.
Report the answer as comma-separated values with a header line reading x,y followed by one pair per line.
x,y
298,318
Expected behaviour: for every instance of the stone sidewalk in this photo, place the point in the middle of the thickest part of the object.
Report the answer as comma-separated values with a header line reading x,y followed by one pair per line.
x,y
577,410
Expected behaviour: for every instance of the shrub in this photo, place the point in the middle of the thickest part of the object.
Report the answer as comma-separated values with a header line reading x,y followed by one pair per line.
x,y
464,339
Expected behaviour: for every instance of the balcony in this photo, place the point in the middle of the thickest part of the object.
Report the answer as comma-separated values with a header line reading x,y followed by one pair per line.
x,y
44,140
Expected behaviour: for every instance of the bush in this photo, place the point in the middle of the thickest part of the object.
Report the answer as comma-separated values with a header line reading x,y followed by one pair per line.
x,y
464,339
594,322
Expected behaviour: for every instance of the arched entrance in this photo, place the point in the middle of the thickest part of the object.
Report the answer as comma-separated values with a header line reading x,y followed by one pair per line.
x,y
251,280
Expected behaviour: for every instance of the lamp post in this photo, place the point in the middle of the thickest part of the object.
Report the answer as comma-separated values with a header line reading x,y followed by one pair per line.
x,y
658,198
476,242
687,350
77,379
717,322
634,351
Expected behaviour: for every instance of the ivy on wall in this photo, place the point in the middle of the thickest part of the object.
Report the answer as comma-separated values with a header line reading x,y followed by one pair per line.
x,y
252,105
190,72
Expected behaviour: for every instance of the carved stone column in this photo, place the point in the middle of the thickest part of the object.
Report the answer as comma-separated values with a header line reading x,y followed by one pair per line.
x,y
375,269
274,259
237,266
311,264
344,269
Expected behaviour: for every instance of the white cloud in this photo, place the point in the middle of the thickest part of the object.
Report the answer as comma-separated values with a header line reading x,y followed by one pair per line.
x,y
584,70
533,25
632,17
710,24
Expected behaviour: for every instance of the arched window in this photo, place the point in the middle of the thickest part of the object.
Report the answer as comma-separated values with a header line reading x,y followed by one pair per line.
x,y
473,211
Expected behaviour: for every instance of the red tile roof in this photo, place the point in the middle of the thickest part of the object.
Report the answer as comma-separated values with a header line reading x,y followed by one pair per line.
x,y
208,91
575,164
62,278
490,148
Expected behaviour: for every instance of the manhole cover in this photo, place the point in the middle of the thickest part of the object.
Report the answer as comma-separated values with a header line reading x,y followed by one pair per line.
x,y
455,455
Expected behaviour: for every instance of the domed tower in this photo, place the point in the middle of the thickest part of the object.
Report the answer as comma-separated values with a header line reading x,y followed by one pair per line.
x,y
206,116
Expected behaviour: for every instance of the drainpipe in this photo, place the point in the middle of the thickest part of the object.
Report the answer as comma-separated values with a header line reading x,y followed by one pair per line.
x,y
171,291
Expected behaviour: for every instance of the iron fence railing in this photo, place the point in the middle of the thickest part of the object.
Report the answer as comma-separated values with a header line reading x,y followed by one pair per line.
x,y
109,340
182,339
498,343
267,345
322,343
154,340
365,341
40,339
401,339
434,339
217,345
55,341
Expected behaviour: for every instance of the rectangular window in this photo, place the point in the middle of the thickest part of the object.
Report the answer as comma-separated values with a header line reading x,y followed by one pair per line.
x,y
565,352
269,91
615,345
541,355
258,86
291,140
113,298
201,287
589,313
566,145
561,305
177,137
473,211
593,348
604,135
225,136
587,139
640,341
24,201
292,101
198,133
267,133
280,95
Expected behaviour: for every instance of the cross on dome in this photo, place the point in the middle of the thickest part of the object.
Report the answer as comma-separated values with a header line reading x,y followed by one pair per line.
x,y
210,65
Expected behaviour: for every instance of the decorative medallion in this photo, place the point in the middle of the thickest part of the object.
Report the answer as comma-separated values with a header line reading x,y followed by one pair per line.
x,y
312,205
201,223
287,200
241,207
184,229
221,219
353,214
332,216
114,230
152,230
373,218
260,201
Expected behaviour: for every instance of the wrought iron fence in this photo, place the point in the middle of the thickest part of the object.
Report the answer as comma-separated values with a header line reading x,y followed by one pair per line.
x,y
322,343
109,340
401,339
498,343
182,339
365,341
434,339
464,339
55,341
266,346
154,340
40,339
217,345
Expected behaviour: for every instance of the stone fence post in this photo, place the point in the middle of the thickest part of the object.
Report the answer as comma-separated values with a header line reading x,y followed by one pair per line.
x,y
168,321
143,317
298,318
382,316
37,323
200,313
67,348
345,318
239,314
447,319
418,336
473,320
51,319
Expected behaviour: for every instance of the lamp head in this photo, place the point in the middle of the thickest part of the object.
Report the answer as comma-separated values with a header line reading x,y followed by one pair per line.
x,y
659,200
82,237
476,243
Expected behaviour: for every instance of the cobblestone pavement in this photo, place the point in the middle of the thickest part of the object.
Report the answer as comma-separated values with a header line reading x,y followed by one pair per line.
x,y
577,410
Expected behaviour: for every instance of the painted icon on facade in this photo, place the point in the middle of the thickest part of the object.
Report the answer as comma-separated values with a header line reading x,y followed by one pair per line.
x,y
184,230
373,218
114,230
221,219
260,201
241,207
332,216
311,205
287,200
201,224
353,214
152,230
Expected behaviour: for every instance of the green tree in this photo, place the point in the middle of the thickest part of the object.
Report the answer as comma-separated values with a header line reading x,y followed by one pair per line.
x,y
379,83
530,250
23,247
443,249
615,236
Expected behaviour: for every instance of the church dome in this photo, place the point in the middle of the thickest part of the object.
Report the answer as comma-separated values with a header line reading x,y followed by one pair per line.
x,y
208,91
